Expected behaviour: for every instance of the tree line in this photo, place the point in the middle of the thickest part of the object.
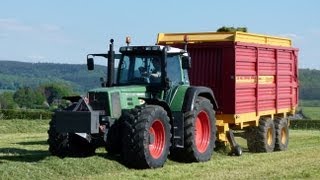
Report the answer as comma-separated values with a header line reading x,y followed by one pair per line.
x,y
45,96
309,84
15,75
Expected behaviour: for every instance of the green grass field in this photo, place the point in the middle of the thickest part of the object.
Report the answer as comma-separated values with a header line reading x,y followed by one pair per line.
x,y
312,112
24,155
310,108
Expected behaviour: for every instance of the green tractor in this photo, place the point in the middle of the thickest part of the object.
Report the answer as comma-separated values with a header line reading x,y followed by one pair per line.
x,y
144,114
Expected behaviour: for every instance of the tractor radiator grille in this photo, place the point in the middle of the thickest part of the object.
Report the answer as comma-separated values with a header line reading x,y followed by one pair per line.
x,y
99,101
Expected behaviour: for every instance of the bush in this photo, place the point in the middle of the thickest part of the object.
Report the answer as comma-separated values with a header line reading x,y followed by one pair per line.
x,y
305,124
24,114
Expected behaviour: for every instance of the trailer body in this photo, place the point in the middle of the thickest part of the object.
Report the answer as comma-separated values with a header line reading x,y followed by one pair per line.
x,y
251,75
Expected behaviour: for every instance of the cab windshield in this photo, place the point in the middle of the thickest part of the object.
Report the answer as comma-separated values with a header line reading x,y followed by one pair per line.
x,y
140,69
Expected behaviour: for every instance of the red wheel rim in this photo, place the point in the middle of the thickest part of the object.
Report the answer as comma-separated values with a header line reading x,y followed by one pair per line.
x,y
202,131
157,139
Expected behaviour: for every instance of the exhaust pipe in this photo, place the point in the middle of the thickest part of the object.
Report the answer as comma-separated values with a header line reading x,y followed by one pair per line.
x,y
111,56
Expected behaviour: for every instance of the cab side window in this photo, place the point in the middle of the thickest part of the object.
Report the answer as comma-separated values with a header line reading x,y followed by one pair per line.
x,y
174,69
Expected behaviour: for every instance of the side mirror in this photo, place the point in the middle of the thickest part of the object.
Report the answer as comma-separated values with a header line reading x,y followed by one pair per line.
x,y
90,64
186,62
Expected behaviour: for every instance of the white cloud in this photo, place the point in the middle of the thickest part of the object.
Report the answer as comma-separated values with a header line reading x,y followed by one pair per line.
x,y
50,27
10,24
36,57
43,32
291,36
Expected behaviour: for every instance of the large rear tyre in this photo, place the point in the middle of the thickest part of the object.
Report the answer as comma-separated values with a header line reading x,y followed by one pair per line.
x,y
262,138
282,134
146,137
67,144
199,133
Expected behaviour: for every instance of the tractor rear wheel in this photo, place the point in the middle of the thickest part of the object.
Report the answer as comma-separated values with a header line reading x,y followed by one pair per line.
x,y
146,137
262,138
199,133
282,134
67,144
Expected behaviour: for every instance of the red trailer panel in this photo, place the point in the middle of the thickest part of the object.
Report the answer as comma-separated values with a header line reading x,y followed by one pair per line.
x,y
249,78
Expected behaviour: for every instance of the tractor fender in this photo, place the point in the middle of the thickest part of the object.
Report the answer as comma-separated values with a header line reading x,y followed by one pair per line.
x,y
159,103
193,92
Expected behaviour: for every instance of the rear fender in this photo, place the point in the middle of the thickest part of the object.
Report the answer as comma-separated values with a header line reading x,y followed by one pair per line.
x,y
193,92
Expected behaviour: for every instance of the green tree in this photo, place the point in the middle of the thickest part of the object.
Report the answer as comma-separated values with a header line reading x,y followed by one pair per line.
x,y
55,91
6,101
29,98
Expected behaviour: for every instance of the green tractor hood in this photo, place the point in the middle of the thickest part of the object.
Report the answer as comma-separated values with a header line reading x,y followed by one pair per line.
x,y
115,99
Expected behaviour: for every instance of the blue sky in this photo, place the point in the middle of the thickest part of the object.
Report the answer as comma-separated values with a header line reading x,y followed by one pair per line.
x,y
63,31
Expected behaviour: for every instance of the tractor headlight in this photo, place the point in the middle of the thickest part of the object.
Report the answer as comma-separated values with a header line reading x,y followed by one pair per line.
x,y
141,101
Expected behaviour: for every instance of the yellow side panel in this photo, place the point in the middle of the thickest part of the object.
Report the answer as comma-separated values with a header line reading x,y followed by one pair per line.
x,y
179,38
262,39
201,37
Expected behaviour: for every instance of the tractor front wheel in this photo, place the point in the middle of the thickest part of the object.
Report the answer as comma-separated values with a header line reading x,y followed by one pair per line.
x,y
67,144
146,137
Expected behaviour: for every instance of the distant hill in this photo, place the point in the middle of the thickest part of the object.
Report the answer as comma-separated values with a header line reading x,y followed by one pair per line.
x,y
15,74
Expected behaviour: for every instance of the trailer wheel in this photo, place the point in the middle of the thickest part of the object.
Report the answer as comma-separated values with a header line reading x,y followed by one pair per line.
x,y
266,135
199,133
67,144
146,137
282,134
251,133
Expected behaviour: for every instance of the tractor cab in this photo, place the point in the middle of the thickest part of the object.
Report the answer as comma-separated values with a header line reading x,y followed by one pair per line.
x,y
154,66
158,68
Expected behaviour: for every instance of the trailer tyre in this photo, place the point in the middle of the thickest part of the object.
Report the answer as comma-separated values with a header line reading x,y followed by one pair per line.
x,y
199,133
67,144
282,134
146,137
262,138
251,133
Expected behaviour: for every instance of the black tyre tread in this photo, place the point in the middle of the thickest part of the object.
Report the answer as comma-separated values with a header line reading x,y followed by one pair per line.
x,y
279,124
67,144
135,137
251,133
190,153
113,144
257,136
